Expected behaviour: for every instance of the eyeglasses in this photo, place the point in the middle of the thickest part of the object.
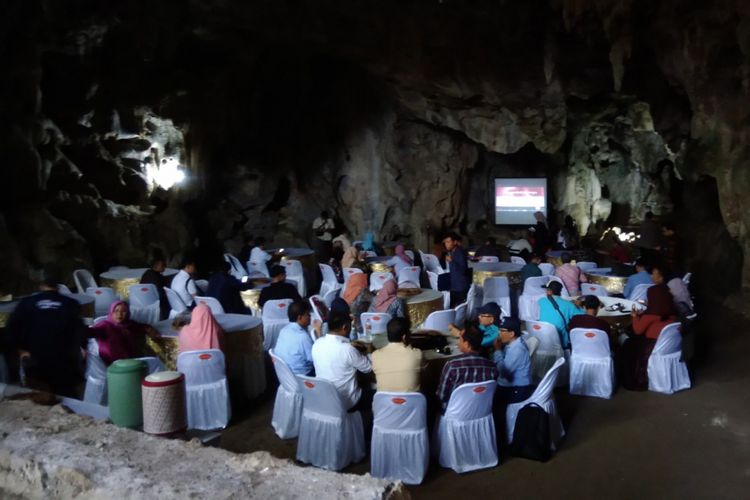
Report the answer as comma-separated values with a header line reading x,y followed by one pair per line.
x,y
486,316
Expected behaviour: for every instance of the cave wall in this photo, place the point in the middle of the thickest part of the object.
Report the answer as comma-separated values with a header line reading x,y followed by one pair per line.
x,y
394,116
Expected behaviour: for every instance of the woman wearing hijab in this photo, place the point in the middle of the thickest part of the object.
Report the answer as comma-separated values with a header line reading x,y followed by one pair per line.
x,y
386,301
358,297
400,260
351,258
203,332
119,337
646,326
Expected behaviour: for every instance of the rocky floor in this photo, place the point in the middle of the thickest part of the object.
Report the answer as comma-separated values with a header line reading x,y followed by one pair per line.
x,y
694,444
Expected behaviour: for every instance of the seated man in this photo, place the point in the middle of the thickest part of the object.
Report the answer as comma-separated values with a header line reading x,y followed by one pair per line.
x,y
570,274
397,365
513,363
489,249
531,269
515,247
155,277
258,254
558,311
591,305
467,368
337,361
278,289
183,283
47,331
294,344
226,289
489,317
641,277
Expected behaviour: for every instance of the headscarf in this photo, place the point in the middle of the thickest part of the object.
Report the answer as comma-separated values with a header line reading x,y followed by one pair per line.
x,y
660,302
368,243
202,333
357,282
350,257
386,296
401,253
117,340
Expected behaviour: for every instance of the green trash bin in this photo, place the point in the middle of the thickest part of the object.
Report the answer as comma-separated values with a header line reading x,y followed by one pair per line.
x,y
124,388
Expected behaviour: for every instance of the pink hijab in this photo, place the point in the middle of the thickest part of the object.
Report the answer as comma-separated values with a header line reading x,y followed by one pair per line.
x,y
202,333
401,254
118,340
386,296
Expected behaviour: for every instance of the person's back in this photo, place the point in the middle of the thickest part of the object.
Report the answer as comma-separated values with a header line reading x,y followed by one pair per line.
x,y
570,274
642,277
530,270
557,311
154,276
294,346
183,283
591,305
278,291
226,289
397,365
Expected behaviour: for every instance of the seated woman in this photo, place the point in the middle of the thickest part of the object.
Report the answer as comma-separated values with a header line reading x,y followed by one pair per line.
x,y
400,260
352,258
679,290
203,332
119,337
647,326
387,301
358,297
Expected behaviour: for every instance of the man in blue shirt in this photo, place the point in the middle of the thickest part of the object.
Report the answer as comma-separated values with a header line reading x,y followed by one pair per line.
x,y
641,277
294,344
513,363
457,268
558,311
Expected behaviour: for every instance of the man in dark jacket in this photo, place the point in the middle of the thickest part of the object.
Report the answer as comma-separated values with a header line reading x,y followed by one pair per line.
x,y
457,268
278,289
155,277
226,289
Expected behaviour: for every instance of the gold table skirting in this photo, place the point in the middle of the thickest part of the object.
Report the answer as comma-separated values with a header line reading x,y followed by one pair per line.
x,y
120,286
514,277
419,310
250,298
613,284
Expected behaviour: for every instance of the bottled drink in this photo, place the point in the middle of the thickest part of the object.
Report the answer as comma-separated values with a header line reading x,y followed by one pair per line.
x,y
368,330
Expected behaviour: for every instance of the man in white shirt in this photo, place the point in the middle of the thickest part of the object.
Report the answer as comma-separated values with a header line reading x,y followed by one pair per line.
x,y
183,283
258,255
516,247
337,361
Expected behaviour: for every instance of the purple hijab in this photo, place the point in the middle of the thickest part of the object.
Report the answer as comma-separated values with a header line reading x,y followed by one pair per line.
x,y
118,340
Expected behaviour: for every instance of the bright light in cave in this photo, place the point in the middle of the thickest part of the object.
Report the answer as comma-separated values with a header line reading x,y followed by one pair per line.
x,y
167,174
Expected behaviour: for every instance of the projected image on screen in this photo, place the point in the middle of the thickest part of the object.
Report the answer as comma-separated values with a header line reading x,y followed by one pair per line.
x,y
516,200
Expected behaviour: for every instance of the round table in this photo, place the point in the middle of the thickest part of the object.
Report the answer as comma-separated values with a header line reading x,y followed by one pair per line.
x,y
86,302
613,283
120,279
616,312
484,270
243,350
419,306
379,265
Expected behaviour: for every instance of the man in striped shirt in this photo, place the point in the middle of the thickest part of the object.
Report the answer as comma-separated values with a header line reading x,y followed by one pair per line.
x,y
467,368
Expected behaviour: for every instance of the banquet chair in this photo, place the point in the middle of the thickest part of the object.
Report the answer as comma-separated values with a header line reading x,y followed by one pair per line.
x,y
543,396
433,279
686,278
202,286
83,280
377,280
640,292
528,301
532,344
257,269
175,302
295,272
400,447
117,268
63,289
592,371
549,350
594,289
368,254
275,317
496,289
489,259
348,272
409,274
378,321
667,373
465,438
330,296
153,364
330,282
546,268
287,407
213,304
237,270
431,263
329,436
460,315
206,389
144,303
410,254
439,321
103,298
515,259
96,376
586,265
473,301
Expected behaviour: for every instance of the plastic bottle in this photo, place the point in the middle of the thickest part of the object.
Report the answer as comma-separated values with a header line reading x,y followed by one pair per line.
x,y
368,330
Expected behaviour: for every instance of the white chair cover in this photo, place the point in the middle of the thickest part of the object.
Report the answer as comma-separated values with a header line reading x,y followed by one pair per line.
x,y
206,389
489,259
586,265
410,254
142,295
175,302
348,271
154,364
329,436
96,376
594,289
473,301
543,396
63,289
686,278
330,282
103,298
640,292
532,344
213,304
439,320
431,263
546,268
409,274
83,280
378,321
275,317
528,302
201,285
497,290
667,373
433,279
465,438
330,296
257,269
400,448
377,279
460,315
237,270
549,349
287,409
592,371
294,271
517,260
147,314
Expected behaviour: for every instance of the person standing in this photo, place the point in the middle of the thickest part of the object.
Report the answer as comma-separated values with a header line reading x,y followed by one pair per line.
x,y
457,268
322,227
155,277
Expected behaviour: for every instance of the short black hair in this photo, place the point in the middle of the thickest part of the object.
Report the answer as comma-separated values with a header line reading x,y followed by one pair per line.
x,y
641,262
51,276
566,257
397,328
277,270
297,309
186,261
474,337
156,260
452,235
591,302
338,320
649,215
